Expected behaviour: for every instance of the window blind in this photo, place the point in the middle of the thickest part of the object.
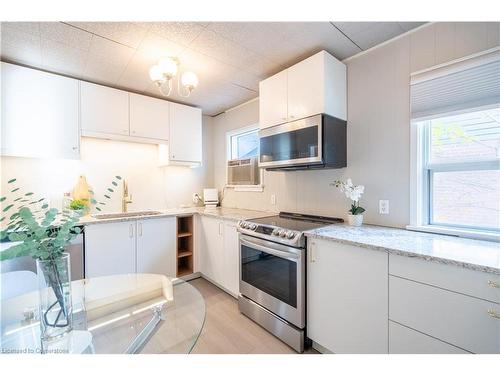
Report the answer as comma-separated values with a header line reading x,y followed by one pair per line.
x,y
453,89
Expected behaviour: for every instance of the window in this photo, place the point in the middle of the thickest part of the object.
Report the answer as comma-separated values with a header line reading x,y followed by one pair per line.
x,y
244,144
242,170
461,169
455,169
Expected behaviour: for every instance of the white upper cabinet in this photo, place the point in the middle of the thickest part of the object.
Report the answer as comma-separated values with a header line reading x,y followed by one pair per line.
x,y
315,85
104,110
185,140
273,101
149,117
39,114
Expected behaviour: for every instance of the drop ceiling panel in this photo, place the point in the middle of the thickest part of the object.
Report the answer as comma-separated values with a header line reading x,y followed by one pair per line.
x,y
127,33
65,34
230,58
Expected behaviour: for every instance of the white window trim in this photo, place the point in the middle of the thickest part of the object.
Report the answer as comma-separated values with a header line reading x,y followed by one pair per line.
x,y
249,188
419,195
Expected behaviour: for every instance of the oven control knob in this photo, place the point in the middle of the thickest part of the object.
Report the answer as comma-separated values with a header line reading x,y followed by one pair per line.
x,y
253,226
276,232
290,235
283,233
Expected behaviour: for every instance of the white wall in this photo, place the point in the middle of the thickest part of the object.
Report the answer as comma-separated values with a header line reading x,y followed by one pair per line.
x,y
151,187
378,128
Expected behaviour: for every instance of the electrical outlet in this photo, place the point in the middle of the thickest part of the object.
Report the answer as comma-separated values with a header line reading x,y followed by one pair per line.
x,y
273,199
383,207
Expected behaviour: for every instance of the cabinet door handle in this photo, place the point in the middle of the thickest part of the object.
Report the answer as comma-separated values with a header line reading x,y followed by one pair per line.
x,y
493,284
140,229
220,229
493,314
131,231
312,255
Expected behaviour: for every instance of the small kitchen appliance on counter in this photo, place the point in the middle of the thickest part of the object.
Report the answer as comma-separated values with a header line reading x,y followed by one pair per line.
x,y
210,198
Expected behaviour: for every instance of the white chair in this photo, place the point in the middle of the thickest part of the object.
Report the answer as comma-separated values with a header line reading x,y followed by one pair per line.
x,y
16,283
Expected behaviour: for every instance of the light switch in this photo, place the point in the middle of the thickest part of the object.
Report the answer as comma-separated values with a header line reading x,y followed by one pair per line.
x,y
273,199
383,207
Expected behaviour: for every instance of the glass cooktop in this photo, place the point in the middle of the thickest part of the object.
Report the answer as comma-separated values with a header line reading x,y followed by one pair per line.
x,y
297,222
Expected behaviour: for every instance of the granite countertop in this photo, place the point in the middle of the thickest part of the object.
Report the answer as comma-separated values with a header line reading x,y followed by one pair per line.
x,y
219,212
474,254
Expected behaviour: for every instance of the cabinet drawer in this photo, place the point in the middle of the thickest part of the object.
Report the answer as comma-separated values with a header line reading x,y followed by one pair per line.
x,y
474,283
403,340
455,318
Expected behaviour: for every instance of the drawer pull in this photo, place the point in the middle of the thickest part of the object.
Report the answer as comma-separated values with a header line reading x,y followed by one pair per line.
x,y
493,314
493,284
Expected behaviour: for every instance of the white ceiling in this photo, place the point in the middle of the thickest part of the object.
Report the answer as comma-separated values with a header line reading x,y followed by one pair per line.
x,y
230,58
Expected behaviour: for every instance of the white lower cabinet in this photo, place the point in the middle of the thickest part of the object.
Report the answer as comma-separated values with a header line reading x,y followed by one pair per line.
x,y
404,340
347,297
156,246
469,323
231,258
109,249
144,246
219,252
211,248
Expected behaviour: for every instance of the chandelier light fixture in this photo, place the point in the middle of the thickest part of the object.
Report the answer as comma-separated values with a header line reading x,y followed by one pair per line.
x,y
163,74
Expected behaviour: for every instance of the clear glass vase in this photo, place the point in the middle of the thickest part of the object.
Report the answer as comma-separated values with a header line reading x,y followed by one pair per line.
x,y
56,312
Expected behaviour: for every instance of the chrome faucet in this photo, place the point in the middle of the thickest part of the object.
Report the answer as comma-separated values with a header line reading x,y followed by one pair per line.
x,y
126,199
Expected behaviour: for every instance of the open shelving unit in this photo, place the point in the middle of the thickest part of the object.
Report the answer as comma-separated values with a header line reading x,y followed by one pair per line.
x,y
185,245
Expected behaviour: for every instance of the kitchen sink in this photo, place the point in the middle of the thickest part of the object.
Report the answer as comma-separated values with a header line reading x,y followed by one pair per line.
x,y
126,214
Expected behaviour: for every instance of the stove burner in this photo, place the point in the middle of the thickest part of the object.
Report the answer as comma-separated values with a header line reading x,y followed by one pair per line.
x,y
286,228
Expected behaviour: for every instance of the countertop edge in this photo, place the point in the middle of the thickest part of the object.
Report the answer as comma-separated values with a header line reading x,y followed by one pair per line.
x,y
410,254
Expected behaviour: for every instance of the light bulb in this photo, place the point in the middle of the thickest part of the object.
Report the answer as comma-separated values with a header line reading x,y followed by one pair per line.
x,y
189,80
168,67
155,74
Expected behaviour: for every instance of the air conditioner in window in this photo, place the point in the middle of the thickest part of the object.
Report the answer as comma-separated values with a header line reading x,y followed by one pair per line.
x,y
243,171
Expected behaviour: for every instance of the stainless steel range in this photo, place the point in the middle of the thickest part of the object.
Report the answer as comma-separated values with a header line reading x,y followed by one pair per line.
x,y
273,273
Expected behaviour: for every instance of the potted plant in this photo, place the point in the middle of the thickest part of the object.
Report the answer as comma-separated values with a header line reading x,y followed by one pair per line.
x,y
43,233
353,192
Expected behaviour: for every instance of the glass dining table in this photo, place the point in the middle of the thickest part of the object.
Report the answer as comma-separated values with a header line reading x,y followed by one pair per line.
x,y
132,313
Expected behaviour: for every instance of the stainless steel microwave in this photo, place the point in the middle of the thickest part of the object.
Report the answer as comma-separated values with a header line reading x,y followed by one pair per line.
x,y
314,142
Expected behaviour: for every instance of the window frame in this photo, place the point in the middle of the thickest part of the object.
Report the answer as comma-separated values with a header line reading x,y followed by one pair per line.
x,y
229,152
421,179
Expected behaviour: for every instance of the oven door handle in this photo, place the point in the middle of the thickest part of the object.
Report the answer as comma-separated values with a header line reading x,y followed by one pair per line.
x,y
280,254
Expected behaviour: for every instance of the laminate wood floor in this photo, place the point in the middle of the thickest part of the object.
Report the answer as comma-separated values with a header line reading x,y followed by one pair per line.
x,y
227,331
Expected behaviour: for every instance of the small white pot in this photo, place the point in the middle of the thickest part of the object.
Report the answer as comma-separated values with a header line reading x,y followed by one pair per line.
x,y
355,220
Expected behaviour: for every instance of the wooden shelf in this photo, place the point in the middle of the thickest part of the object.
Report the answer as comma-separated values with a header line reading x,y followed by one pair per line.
x,y
185,245
183,271
184,253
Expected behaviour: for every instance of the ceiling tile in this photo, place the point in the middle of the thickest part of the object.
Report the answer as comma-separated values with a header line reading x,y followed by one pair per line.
x,y
107,60
109,52
128,33
370,34
24,27
136,74
155,47
60,58
316,36
179,32
407,26
21,47
220,48
66,34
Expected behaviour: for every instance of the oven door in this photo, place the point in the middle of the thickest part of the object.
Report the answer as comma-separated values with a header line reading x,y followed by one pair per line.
x,y
273,276
292,144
